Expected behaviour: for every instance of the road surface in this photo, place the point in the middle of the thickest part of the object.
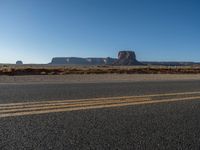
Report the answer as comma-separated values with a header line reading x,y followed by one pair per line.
x,y
135,115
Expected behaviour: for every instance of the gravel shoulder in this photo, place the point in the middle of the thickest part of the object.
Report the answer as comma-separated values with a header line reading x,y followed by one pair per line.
x,y
99,78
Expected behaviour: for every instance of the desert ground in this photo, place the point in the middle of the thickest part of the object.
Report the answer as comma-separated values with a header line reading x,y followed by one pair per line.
x,y
17,70
95,74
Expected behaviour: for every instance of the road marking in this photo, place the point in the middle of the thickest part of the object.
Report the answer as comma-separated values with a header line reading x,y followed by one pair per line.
x,y
108,98
68,105
32,108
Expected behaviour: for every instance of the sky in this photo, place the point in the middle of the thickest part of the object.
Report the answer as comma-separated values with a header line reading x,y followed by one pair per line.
x,y
35,31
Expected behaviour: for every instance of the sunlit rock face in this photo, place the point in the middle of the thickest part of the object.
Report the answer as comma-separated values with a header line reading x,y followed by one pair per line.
x,y
127,58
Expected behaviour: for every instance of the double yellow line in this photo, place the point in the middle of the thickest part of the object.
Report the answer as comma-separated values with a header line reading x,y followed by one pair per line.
x,y
32,108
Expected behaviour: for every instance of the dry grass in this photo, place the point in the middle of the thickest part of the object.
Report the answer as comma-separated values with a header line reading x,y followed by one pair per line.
x,y
12,70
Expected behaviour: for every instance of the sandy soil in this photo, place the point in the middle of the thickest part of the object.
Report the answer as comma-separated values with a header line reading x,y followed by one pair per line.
x,y
96,78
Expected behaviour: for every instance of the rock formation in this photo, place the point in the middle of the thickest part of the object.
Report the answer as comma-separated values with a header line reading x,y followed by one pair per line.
x,y
127,58
19,62
124,58
82,61
69,60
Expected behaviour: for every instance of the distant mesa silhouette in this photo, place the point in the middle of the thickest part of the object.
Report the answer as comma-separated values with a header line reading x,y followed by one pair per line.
x,y
82,61
19,62
124,58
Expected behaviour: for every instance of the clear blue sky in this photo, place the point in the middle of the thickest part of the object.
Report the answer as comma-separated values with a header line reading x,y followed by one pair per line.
x,y
37,30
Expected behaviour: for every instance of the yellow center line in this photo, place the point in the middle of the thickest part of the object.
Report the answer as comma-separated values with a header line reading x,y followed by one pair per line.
x,y
65,105
93,99
96,107
75,103
31,108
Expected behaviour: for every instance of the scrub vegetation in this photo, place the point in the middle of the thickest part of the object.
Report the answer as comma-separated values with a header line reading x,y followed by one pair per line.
x,y
13,70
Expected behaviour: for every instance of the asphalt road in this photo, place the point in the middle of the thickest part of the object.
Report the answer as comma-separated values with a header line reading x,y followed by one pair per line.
x,y
37,92
170,125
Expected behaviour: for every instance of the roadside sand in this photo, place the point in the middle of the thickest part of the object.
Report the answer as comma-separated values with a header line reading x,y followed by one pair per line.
x,y
96,78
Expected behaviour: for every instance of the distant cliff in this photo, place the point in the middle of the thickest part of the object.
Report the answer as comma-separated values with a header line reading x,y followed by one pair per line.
x,y
124,58
82,61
